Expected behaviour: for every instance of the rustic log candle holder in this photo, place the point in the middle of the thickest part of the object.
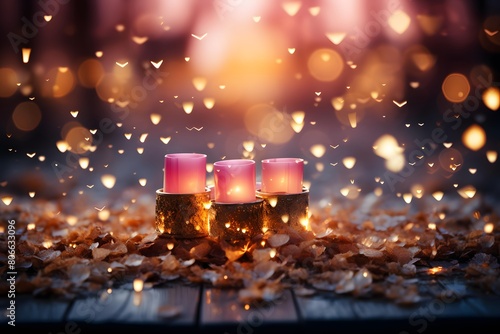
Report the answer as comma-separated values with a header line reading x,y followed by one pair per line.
x,y
282,210
236,221
182,215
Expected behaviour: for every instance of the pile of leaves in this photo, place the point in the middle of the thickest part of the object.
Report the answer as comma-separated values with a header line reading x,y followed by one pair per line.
x,y
365,248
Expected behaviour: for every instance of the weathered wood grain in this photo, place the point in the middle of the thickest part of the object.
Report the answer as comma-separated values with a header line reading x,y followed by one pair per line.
x,y
173,306
222,312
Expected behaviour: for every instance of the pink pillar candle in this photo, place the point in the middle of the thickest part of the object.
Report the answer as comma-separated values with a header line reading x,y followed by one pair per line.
x,y
185,173
234,181
282,175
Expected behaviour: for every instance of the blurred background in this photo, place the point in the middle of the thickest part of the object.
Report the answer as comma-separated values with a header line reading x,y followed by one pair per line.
x,y
394,97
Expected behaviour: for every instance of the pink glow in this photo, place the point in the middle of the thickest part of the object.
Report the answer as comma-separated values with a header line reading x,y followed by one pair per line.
x,y
185,173
282,175
234,181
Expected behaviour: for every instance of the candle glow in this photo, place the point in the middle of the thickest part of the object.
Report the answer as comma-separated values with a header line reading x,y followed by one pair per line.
x,y
282,175
234,181
184,173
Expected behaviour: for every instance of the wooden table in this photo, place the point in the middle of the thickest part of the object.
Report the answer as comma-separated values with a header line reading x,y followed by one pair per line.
x,y
449,300
204,309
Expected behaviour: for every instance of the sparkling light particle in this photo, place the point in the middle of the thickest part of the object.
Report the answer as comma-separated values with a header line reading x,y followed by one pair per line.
x,y
108,180
138,285
474,137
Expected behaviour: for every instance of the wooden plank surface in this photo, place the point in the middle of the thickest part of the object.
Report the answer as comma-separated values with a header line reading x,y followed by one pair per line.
x,y
162,307
36,313
440,310
196,309
222,312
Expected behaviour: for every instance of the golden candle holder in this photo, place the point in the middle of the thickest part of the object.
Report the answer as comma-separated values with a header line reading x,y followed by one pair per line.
x,y
286,210
182,215
236,221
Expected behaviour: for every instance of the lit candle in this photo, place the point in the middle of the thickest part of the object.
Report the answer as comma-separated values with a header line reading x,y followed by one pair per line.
x,y
185,173
282,175
234,181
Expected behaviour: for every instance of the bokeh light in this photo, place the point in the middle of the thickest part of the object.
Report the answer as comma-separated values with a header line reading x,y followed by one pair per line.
x,y
27,116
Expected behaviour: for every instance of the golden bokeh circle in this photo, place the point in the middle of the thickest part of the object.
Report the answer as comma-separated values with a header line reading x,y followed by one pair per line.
x,y
325,64
456,87
8,84
27,116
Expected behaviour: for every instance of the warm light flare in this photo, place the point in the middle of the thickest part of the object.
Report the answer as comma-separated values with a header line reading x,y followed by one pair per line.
x,y
291,7
84,162
474,137
349,162
108,180
155,118
456,87
188,107
7,200
62,145
298,116
491,98
209,102
336,37
467,192
489,228
435,270
407,197
318,150
491,156
138,285
71,220
26,54
338,103
438,195
399,21
199,83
